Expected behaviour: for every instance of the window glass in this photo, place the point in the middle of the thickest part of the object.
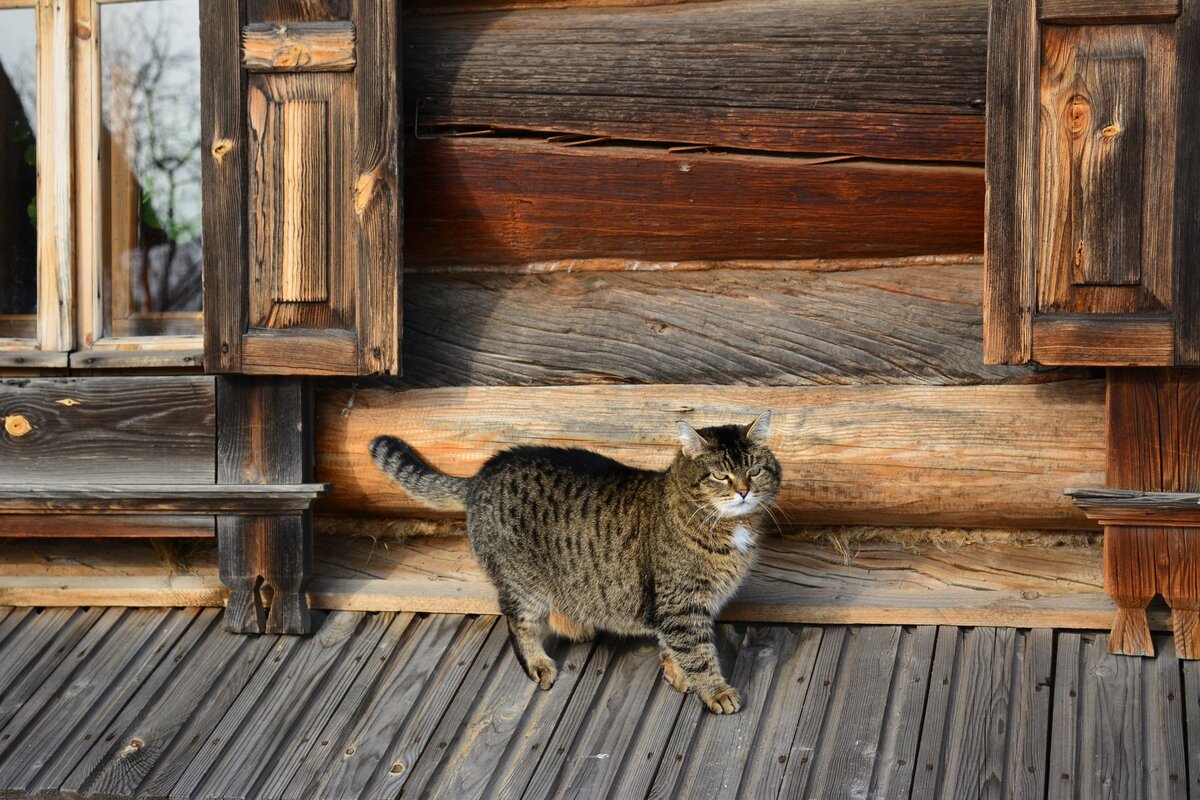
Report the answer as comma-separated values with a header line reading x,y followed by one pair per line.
x,y
18,173
150,167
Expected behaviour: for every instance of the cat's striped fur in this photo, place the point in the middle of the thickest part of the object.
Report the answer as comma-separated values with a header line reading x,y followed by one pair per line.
x,y
586,543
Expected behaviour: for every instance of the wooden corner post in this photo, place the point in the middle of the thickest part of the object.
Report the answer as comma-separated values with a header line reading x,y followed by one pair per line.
x,y
264,436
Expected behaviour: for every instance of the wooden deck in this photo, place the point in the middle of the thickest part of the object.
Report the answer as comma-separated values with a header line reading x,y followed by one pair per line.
x,y
117,702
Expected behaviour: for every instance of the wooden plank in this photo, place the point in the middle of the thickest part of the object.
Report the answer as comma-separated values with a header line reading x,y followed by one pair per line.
x,y
1165,765
796,659
1191,716
161,500
517,201
802,756
298,47
1186,235
194,765
53,591
1029,746
935,725
844,763
979,722
906,324
55,228
528,741
138,359
1111,733
195,698
44,665
307,690
10,621
288,777
880,455
106,735
838,78
1080,12
57,735
44,637
1103,340
436,722
1065,764
896,761
33,359
82,526
223,167
108,430
653,737
1013,56
721,748
667,776
406,709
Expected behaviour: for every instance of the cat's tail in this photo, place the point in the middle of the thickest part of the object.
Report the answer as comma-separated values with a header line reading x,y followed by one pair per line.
x,y
436,489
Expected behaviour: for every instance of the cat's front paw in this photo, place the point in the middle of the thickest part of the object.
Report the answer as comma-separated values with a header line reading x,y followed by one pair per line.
x,y
673,675
543,672
725,700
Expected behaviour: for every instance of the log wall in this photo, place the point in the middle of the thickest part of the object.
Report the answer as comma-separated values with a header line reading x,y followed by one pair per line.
x,y
620,213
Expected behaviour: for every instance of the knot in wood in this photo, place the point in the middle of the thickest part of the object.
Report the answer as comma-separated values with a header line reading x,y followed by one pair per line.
x,y
292,57
17,425
221,148
1110,131
1079,110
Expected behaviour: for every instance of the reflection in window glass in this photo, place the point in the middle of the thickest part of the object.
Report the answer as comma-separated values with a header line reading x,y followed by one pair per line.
x,y
150,166
18,173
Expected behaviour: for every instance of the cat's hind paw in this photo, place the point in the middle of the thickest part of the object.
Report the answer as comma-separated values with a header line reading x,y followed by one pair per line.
x,y
543,672
725,700
673,675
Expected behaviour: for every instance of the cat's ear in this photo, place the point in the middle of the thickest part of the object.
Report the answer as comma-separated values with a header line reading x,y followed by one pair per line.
x,y
693,443
757,431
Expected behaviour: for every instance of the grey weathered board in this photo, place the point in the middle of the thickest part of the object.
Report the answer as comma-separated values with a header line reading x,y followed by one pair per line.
x,y
882,323
164,703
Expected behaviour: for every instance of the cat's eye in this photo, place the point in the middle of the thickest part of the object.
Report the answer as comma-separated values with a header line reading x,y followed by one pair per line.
x,y
719,477
754,473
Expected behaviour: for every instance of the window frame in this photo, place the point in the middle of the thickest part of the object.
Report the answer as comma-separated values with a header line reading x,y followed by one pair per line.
x,y
54,338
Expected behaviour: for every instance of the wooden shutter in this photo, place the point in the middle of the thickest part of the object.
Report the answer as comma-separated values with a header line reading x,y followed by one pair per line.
x,y
302,186
1092,232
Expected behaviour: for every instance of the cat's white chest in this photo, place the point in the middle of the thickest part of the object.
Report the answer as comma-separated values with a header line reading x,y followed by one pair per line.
x,y
742,538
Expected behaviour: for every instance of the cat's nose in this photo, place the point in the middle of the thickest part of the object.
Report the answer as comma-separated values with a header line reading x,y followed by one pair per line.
x,y
744,492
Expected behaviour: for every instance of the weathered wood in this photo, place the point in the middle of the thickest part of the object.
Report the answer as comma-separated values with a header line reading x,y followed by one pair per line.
x,y
1079,12
1063,779
896,761
223,164
1191,715
880,455
518,201
301,268
43,639
1186,234
265,437
890,324
1112,730
55,179
138,359
854,721
298,47
106,526
1165,734
1028,729
102,739
1129,579
1013,51
868,78
112,431
417,683
816,702
1119,341
33,359
931,762
161,500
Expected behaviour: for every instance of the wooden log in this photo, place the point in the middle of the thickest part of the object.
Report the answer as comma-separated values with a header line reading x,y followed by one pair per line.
x,y
298,47
504,202
127,430
870,78
895,324
969,456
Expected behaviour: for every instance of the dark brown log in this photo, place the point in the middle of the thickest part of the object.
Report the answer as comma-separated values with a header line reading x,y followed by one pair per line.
x,y
1129,579
1154,429
1187,178
71,526
871,78
918,323
1102,340
1081,12
121,431
160,499
986,456
498,203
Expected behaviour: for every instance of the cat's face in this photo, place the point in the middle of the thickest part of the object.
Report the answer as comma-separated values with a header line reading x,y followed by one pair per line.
x,y
729,469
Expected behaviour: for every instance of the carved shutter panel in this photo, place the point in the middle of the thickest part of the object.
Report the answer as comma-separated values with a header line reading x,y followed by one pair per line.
x,y
302,186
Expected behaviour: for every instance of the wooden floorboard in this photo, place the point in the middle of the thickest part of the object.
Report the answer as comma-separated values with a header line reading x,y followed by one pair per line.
x,y
164,703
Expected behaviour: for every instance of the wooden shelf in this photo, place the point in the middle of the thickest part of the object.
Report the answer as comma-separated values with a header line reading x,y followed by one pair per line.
x,y
203,500
1133,507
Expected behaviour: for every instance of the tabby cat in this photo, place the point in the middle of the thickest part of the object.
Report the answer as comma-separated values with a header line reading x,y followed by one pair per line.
x,y
585,543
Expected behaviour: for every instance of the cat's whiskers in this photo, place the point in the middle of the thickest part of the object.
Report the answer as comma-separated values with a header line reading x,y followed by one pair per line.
x,y
774,519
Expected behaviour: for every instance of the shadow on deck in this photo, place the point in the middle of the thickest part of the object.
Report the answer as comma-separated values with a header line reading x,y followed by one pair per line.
x,y
163,703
